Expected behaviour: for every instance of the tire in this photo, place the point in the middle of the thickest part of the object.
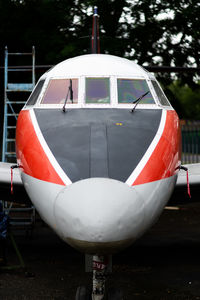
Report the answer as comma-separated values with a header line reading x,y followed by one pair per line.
x,y
82,293
114,294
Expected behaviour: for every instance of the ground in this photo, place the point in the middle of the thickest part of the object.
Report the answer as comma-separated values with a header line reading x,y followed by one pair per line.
x,y
164,264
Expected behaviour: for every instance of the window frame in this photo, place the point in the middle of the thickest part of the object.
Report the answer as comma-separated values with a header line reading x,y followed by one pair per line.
x,y
132,79
113,93
40,81
98,105
58,105
140,105
156,94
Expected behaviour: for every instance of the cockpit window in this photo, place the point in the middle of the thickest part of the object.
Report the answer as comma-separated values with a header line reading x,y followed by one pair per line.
x,y
60,89
130,90
161,96
35,94
97,91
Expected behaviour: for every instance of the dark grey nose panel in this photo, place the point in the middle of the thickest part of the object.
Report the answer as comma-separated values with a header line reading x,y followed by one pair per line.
x,y
98,151
98,142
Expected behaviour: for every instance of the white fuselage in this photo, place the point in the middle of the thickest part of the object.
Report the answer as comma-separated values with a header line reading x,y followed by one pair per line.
x,y
98,214
98,172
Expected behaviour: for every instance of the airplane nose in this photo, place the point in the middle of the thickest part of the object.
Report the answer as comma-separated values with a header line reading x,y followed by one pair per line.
x,y
98,213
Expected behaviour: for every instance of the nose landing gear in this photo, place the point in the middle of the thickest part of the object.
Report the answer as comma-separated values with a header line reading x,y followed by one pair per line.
x,y
100,263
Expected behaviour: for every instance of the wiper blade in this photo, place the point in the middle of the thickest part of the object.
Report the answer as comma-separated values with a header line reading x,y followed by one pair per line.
x,y
138,100
70,91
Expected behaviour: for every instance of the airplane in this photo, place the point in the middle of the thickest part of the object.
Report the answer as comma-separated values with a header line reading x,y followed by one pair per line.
x,y
98,149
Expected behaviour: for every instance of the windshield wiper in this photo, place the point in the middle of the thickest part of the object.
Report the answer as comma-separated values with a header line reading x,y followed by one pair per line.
x,y
138,100
70,91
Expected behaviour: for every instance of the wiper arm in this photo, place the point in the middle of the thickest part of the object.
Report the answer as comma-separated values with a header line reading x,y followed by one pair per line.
x,y
70,90
138,100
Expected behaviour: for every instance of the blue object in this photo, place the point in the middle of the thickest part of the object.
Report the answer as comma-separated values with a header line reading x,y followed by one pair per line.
x,y
4,221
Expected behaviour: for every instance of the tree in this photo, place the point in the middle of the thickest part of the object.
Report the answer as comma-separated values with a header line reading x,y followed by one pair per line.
x,y
166,33
43,23
150,32
187,98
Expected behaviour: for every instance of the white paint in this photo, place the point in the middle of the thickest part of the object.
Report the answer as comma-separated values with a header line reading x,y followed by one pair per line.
x,y
99,209
98,65
149,151
47,151
5,174
193,173
106,210
42,195
156,195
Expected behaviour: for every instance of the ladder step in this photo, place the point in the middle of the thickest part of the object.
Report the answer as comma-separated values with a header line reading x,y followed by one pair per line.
x,y
12,115
20,223
11,154
13,107
20,87
24,91
18,53
22,209
19,70
15,102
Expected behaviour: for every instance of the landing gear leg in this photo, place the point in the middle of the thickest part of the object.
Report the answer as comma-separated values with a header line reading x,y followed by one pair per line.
x,y
100,263
101,266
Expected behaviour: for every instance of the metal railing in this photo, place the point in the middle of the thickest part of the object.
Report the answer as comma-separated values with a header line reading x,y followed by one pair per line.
x,y
190,142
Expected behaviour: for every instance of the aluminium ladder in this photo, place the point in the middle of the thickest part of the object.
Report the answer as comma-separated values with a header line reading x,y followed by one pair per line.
x,y
14,101
15,96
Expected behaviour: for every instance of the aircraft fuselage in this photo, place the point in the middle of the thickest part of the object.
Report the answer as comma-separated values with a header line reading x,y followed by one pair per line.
x,y
99,175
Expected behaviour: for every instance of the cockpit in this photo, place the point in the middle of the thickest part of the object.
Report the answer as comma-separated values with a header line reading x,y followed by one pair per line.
x,y
97,92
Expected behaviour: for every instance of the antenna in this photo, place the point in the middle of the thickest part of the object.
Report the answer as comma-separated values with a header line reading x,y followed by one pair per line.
x,y
95,32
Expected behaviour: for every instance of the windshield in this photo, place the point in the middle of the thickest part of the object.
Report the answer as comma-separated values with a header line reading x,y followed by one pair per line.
x,y
35,94
97,90
129,90
57,91
161,96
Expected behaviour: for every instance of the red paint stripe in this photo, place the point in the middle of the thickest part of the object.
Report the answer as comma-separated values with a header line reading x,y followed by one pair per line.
x,y
165,158
30,154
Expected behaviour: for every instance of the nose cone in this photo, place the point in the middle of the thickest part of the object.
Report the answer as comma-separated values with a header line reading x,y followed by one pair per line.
x,y
98,213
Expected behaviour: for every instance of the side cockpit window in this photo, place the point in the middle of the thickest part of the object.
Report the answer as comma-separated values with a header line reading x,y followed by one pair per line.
x,y
97,91
58,90
161,96
35,94
129,90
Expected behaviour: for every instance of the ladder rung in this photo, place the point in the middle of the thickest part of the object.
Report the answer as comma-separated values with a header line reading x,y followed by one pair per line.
x,y
15,102
21,91
13,107
18,53
19,87
19,70
20,223
21,209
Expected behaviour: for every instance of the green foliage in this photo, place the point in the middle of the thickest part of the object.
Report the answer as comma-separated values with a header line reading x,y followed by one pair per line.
x,y
187,98
158,32
150,32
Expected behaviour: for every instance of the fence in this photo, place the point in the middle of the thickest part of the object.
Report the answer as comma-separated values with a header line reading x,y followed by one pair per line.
x,y
190,142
